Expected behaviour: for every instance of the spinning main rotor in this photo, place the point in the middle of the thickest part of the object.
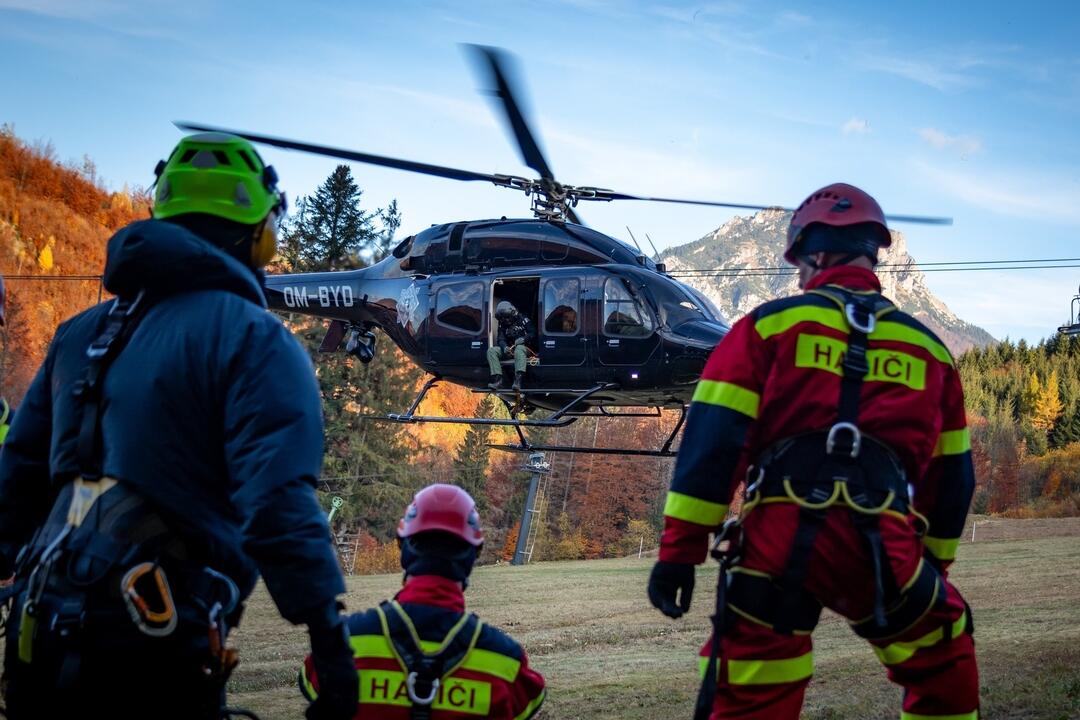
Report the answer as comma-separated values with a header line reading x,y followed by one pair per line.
x,y
551,200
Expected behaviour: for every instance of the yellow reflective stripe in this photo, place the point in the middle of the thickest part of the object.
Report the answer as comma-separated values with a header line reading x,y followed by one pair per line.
x,y
953,442
531,707
492,663
902,333
305,685
485,661
703,665
770,672
898,652
692,509
3,433
973,715
739,399
786,319
372,646
942,548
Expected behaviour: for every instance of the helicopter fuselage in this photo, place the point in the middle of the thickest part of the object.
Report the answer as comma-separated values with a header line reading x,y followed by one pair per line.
x,y
601,312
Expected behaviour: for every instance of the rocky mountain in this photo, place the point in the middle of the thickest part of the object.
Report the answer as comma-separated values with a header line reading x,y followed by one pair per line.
x,y
758,242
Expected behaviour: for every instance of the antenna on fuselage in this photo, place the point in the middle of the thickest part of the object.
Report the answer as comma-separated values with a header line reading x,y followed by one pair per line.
x,y
656,253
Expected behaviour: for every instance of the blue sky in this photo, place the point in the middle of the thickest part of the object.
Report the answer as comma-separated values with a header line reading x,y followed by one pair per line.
x,y
961,109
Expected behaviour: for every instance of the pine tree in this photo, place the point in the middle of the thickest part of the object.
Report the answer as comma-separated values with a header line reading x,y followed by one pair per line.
x,y
333,230
471,461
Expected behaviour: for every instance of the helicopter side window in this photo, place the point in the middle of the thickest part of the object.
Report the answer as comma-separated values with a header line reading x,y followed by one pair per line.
x,y
561,306
623,315
460,306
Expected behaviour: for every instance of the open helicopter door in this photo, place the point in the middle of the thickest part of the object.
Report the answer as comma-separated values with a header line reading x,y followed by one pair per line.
x,y
627,334
457,332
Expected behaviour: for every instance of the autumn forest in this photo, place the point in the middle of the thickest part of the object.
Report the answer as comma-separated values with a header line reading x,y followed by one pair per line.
x,y
55,217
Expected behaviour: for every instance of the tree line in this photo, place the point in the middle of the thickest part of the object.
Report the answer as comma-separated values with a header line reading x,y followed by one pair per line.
x,y
1023,401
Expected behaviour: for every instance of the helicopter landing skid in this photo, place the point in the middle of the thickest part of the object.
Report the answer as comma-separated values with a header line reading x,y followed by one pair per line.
x,y
664,451
560,418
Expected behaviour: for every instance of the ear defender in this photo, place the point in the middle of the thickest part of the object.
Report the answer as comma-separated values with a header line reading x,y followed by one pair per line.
x,y
264,246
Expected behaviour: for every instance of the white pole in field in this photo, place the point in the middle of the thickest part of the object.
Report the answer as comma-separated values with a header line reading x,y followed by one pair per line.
x,y
640,546
973,524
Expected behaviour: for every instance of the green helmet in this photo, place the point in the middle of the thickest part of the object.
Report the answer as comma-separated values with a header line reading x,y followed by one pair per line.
x,y
217,174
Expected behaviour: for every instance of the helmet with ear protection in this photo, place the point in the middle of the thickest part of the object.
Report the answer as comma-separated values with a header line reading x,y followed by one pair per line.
x,y
222,175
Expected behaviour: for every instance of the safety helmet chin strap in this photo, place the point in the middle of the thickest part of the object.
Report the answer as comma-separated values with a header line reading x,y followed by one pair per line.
x,y
847,259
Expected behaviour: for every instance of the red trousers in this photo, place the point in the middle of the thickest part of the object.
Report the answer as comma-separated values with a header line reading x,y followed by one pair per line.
x,y
764,674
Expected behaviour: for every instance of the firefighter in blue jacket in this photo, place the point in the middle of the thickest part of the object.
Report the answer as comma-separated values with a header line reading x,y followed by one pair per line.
x,y
163,458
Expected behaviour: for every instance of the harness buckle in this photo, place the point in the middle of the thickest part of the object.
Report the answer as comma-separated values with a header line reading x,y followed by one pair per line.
x,y
853,320
856,438
730,533
410,686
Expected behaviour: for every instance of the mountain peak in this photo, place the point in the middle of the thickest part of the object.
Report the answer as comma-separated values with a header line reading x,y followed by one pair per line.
x,y
758,241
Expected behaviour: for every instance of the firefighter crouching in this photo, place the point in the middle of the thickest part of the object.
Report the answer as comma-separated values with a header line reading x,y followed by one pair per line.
x,y
831,405
421,655
164,457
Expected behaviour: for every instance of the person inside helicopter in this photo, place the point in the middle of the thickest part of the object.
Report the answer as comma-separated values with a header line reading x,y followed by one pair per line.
x,y
513,332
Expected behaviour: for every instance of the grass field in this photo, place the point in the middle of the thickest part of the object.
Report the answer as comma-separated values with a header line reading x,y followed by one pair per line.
x,y
607,654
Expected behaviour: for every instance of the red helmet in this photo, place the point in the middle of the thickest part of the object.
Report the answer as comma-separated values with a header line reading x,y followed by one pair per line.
x,y
2,298
443,507
838,205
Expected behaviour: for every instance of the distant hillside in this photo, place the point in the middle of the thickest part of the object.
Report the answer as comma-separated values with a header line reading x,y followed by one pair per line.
x,y
758,241
54,220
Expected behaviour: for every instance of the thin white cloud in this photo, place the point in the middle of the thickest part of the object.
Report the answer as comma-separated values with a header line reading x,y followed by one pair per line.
x,y
1017,193
976,297
67,9
963,144
856,126
945,77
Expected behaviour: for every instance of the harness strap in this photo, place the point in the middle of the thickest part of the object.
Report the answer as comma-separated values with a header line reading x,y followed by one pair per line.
x,y
425,671
798,565
721,620
120,322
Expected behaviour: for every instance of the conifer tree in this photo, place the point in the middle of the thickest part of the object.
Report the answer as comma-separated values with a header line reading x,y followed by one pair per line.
x,y
1047,405
471,461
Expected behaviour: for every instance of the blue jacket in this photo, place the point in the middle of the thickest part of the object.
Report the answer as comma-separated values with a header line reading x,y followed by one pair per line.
x,y
211,412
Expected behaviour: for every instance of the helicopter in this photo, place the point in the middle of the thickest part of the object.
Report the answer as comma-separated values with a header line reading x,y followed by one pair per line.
x,y
613,329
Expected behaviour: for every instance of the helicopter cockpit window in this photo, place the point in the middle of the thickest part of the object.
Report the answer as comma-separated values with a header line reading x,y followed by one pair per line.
x,y
561,306
402,248
623,315
460,306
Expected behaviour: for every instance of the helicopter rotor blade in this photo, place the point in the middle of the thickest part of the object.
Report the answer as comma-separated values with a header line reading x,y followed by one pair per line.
x,y
573,216
397,163
495,63
599,194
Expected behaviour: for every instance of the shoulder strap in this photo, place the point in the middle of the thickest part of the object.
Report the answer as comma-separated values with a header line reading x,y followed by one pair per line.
x,y
426,670
861,311
120,322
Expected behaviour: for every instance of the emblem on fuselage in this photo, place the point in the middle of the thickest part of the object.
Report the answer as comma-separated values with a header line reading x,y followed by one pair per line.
x,y
408,307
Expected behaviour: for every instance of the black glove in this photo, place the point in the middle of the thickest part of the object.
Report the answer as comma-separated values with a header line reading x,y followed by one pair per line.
x,y
339,685
667,579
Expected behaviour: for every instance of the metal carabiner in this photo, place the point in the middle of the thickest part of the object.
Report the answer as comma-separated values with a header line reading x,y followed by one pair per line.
x,y
867,327
150,622
856,438
410,686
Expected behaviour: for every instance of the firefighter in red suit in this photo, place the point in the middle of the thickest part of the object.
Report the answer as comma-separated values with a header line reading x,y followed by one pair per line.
x,y
845,418
421,656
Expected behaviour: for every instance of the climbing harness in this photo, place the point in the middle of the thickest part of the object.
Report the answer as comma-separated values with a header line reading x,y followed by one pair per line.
x,y
425,671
